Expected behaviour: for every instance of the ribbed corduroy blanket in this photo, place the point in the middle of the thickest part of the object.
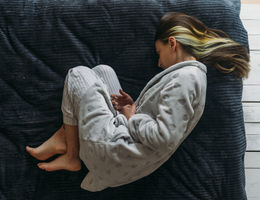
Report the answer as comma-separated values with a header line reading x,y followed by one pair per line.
x,y
41,39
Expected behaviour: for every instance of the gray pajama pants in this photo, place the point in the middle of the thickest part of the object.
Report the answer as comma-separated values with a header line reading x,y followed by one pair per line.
x,y
77,81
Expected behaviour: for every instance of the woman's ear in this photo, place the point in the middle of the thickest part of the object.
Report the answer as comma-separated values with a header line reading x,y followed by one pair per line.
x,y
172,42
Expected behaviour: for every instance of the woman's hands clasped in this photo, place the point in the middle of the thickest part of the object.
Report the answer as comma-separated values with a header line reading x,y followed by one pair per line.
x,y
124,104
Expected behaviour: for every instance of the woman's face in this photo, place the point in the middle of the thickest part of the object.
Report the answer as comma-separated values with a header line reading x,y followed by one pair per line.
x,y
166,54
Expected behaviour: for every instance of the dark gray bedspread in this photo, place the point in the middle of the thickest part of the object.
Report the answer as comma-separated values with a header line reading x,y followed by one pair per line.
x,y
41,39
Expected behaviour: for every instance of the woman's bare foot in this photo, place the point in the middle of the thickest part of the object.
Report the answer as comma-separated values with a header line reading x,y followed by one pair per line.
x,y
63,162
56,144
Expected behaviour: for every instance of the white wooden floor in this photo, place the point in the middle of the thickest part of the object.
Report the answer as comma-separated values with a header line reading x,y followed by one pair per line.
x,y
250,15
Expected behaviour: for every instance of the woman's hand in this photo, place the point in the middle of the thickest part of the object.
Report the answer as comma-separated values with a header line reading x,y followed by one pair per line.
x,y
119,101
128,110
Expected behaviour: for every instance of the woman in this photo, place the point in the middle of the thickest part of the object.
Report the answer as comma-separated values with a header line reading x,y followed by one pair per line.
x,y
120,140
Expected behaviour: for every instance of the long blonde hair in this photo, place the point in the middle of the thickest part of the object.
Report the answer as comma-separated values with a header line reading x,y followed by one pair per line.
x,y
209,46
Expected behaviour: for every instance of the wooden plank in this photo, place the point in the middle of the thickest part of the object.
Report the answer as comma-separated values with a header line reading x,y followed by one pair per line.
x,y
254,57
251,112
253,198
252,160
254,73
250,11
253,142
252,128
252,26
254,42
250,1
251,93
253,183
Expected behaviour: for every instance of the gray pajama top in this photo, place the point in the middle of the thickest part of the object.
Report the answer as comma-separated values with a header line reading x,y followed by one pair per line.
x,y
118,151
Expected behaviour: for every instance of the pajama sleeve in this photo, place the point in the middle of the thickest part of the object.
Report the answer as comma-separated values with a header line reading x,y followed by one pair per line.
x,y
125,151
169,128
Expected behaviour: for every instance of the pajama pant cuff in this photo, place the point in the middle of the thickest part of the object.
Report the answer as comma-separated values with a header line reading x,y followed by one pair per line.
x,y
69,121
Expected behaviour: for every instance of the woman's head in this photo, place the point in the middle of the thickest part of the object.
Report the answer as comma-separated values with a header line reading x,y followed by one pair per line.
x,y
171,53
210,46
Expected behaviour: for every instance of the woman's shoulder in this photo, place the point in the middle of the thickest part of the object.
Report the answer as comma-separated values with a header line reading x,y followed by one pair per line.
x,y
188,69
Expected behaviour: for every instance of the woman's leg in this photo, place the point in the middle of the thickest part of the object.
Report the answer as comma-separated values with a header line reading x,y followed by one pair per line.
x,y
70,160
78,80
56,144
74,87
109,77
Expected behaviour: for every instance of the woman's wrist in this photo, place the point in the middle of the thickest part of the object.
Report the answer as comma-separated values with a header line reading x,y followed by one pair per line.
x,y
128,110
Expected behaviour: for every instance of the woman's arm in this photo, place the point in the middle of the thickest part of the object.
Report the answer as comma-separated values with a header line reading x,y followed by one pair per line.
x,y
177,112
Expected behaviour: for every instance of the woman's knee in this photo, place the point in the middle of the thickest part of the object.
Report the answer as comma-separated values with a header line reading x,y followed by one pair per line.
x,y
105,69
78,70
81,76
81,72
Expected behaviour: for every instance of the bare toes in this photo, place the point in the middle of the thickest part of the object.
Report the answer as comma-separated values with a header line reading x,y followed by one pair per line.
x,y
61,163
31,151
28,149
42,166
